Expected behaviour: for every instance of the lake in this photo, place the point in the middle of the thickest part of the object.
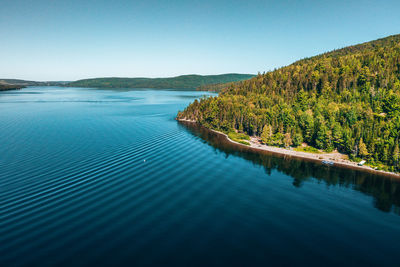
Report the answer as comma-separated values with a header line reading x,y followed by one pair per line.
x,y
108,177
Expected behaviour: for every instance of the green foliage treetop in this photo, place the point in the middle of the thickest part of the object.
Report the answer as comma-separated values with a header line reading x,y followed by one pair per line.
x,y
347,99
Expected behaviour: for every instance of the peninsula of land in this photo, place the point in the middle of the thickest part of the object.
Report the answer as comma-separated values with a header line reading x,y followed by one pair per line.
x,y
347,100
6,86
333,158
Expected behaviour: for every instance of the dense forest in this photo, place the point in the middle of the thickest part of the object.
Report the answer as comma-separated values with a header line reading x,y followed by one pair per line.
x,y
346,100
214,87
179,82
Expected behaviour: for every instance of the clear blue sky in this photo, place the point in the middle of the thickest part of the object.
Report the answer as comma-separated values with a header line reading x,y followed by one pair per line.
x,y
74,39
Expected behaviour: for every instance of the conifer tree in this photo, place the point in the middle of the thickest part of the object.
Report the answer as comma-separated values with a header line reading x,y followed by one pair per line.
x,y
362,149
266,135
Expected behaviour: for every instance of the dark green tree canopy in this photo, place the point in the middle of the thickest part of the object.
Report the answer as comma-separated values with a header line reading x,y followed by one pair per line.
x,y
335,100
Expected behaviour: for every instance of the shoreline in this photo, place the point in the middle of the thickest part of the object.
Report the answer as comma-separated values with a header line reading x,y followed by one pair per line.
x,y
337,158
3,89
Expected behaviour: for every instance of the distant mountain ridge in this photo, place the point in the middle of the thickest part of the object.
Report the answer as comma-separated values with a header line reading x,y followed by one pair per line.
x,y
193,81
14,84
179,82
31,83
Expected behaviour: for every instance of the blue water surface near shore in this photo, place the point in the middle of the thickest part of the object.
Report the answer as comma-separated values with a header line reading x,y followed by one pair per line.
x,y
108,177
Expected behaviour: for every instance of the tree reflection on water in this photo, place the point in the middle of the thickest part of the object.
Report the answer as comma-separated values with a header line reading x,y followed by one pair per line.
x,y
385,191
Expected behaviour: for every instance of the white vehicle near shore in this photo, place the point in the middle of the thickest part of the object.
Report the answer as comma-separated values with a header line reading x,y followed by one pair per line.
x,y
361,163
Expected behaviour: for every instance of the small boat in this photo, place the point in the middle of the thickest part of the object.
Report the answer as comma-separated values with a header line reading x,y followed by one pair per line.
x,y
327,162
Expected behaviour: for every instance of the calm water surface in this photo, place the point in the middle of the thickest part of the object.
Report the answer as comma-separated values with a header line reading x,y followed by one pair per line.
x,y
109,177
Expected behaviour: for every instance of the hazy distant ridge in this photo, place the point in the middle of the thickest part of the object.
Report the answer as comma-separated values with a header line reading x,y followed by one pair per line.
x,y
179,82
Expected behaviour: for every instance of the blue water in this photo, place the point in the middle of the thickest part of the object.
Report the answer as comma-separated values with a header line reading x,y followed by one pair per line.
x,y
102,177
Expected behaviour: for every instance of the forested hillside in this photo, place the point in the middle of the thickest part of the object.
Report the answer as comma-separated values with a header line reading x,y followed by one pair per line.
x,y
347,99
179,82
214,87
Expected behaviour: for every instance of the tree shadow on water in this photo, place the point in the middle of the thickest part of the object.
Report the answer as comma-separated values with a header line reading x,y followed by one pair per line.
x,y
385,191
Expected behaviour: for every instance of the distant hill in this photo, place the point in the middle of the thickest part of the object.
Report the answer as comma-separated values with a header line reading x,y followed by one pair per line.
x,y
179,82
18,82
347,99
206,83
6,86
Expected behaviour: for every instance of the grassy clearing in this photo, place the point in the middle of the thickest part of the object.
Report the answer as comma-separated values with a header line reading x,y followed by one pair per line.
x,y
239,137
308,149
243,142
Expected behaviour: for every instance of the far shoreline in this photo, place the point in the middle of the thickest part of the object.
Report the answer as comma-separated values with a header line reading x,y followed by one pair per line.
x,y
10,88
256,147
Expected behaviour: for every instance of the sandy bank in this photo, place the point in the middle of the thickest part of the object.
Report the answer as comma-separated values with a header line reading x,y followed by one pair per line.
x,y
338,158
